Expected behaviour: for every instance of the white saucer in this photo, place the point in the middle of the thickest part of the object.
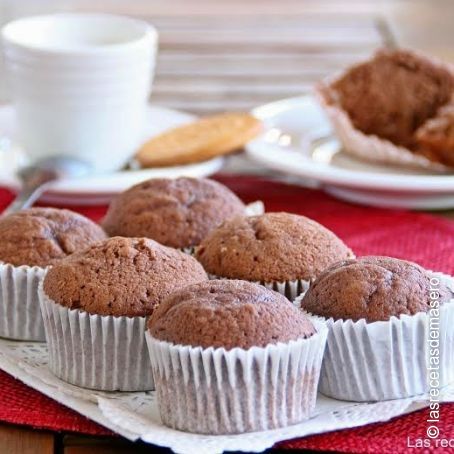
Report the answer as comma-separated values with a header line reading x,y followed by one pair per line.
x,y
299,141
97,189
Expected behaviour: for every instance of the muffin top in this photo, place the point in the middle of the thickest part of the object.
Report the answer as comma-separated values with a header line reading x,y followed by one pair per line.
x,y
43,236
175,212
229,314
392,94
121,277
270,247
373,288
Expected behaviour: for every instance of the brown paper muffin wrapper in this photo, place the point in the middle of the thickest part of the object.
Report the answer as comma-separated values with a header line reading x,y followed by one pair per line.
x,y
215,391
384,360
367,147
95,351
290,289
20,314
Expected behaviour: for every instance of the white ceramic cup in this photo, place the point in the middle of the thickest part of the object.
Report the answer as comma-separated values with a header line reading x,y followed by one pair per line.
x,y
80,84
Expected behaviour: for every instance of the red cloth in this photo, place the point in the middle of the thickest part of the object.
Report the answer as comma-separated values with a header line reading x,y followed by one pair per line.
x,y
420,237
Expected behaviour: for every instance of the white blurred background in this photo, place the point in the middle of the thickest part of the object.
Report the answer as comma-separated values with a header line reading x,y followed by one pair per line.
x,y
422,24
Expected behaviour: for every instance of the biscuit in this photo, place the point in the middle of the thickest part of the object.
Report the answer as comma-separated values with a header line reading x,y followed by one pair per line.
x,y
201,140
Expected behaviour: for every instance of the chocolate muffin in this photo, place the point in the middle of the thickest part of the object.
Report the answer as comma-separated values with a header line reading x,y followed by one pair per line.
x,y
102,295
228,314
43,236
372,288
379,312
30,242
393,94
271,248
175,212
121,277
210,345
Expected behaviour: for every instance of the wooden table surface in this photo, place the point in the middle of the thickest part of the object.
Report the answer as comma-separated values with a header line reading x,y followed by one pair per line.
x,y
236,54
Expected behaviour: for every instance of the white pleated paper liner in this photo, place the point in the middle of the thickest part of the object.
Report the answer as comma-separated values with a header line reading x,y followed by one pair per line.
x,y
290,289
188,250
255,208
384,360
99,352
20,314
369,147
214,391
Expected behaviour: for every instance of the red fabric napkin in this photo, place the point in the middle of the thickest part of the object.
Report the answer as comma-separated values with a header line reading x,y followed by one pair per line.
x,y
419,237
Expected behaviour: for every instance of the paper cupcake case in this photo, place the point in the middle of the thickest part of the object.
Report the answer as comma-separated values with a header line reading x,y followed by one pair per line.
x,y
447,344
255,208
215,391
20,314
369,147
94,351
384,360
188,250
290,289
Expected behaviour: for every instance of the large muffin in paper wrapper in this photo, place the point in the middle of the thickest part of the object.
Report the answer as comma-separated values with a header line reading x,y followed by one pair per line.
x,y
95,304
380,315
376,107
282,251
31,241
230,356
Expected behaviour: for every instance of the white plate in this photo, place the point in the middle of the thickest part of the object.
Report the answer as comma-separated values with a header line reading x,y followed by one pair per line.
x,y
299,141
97,189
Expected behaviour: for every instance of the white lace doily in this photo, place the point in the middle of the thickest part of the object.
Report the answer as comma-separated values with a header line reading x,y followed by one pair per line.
x,y
136,415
